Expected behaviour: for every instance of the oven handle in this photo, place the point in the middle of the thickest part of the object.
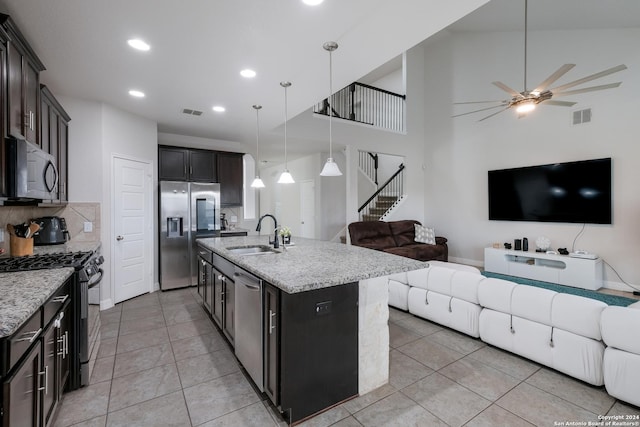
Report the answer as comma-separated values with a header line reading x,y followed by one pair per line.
x,y
93,282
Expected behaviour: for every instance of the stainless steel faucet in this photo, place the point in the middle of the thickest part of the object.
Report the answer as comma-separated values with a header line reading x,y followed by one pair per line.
x,y
276,243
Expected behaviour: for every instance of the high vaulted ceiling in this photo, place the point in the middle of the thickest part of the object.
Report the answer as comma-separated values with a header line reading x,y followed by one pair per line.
x,y
198,48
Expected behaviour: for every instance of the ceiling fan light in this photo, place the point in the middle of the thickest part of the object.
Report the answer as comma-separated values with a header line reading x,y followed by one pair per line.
x,y
286,178
257,183
525,107
330,168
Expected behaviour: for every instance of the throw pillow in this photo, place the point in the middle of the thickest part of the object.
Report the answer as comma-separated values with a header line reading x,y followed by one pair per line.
x,y
425,235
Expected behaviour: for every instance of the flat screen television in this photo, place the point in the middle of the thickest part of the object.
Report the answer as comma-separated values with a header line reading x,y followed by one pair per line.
x,y
577,192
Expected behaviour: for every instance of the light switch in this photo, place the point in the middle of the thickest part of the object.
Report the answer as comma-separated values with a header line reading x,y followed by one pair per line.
x,y
88,227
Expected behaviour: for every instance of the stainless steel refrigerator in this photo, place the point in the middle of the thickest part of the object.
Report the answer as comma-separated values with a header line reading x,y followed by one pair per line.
x,y
188,211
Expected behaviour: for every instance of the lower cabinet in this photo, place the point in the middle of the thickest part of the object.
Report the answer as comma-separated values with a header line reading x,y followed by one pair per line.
x,y
21,391
310,348
205,284
34,385
217,305
229,309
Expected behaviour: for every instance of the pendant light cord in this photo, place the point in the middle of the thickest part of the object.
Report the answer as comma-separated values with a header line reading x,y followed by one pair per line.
x,y
525,45
257,136
330,103
286,168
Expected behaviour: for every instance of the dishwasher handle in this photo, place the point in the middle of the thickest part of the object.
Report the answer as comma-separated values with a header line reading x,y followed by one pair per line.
x,y
248,281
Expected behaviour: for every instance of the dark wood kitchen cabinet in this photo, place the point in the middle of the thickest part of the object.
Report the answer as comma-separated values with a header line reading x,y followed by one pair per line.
x,y
271,309
184,164
3,115
23,88
310,348
230,177
217,297
54,125
36,362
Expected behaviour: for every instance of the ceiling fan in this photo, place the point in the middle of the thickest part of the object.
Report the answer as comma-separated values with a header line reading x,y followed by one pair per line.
x,y
526,101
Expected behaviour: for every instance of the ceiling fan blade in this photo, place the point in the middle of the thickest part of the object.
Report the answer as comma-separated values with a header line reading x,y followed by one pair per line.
x,y
478,102
507,89
491,115
553,77
591,77
559,103
482,109
588,89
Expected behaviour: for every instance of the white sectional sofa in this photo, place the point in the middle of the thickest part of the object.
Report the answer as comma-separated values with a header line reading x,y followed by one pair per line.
x,y
561,331
620,332
565,332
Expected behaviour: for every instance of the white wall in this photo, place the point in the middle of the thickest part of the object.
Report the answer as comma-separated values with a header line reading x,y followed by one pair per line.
x,y
96,132
460,151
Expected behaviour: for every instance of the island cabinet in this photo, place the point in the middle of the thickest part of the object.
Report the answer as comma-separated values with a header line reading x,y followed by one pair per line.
x,y
3,98
23,90
185,164
310,348
54,125
36,362
216,289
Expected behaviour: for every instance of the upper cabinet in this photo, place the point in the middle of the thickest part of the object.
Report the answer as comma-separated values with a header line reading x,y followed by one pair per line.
x,y
187,164
23,89
184,164
230,174
54,125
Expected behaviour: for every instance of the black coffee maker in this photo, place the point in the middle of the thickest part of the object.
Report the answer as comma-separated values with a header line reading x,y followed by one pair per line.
x,y
224,224
53,231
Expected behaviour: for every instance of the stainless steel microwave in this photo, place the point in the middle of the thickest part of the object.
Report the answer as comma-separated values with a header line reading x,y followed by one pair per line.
x,y
32,172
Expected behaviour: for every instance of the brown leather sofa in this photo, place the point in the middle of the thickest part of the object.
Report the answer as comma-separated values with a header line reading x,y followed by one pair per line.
x,y
397,237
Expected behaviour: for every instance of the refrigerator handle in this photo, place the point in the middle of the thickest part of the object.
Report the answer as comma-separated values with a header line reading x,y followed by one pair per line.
x,y
174,227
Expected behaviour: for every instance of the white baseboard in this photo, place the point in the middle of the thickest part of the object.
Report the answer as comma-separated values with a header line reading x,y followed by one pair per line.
x,y
156,287
106,304
619,286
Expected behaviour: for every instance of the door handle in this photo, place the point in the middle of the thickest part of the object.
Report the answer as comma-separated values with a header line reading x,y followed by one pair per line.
x,y
271,325
119,238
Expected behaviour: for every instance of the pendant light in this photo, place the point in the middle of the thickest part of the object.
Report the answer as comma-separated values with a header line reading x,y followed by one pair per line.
x,y
257,182
286,177
330,168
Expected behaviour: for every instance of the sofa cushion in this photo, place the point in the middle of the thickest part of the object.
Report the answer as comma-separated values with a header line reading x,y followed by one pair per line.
x,y
532,303
418,251
619,326
371,234
464,285
622,375
439,280
496,294
577,314
403,231
424,234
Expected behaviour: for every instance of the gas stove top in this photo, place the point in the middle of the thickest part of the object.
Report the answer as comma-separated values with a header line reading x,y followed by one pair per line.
x,y
43,261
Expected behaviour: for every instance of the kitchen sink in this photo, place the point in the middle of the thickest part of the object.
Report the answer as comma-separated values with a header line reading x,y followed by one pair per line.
x,y
252,250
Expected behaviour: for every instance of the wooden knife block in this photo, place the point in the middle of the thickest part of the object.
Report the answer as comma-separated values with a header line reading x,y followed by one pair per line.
x,y
20,246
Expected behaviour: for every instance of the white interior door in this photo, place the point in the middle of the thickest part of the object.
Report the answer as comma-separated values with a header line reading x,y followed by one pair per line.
x,y
132,228
307,209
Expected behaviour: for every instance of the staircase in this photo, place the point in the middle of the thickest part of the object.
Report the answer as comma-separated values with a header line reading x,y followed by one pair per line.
x,y
384,199
381,205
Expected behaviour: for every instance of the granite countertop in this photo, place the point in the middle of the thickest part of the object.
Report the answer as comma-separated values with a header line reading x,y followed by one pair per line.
x,y
23,292
312,264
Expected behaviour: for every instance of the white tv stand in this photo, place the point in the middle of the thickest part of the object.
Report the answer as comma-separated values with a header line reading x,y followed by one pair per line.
x,y
560,269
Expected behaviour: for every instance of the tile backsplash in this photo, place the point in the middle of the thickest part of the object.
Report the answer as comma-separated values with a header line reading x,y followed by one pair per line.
x,y
75,214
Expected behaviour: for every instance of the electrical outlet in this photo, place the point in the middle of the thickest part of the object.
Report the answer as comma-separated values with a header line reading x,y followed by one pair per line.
x,y
234,218
88,227
1,235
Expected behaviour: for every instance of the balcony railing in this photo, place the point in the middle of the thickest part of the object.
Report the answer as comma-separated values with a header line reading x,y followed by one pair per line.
x,y
366,104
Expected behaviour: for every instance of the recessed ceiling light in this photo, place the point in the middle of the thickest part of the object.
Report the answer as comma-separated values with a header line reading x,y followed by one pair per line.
x,y
138,44
219,109
136,93
248,73
312,2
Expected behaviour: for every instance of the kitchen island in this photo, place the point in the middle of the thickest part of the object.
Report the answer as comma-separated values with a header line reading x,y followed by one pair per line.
x,y
320,277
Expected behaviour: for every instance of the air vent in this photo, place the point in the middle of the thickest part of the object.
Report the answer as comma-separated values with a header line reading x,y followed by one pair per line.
x,y
582,116
192,112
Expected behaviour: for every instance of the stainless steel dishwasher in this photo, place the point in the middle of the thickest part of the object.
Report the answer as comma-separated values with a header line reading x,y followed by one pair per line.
x,y
248,324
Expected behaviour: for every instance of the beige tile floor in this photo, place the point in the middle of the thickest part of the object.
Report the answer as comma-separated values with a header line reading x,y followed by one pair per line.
x,y
163,363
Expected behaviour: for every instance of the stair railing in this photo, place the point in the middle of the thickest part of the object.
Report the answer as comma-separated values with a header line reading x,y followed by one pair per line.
x,y
368,163
366,104
393,187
